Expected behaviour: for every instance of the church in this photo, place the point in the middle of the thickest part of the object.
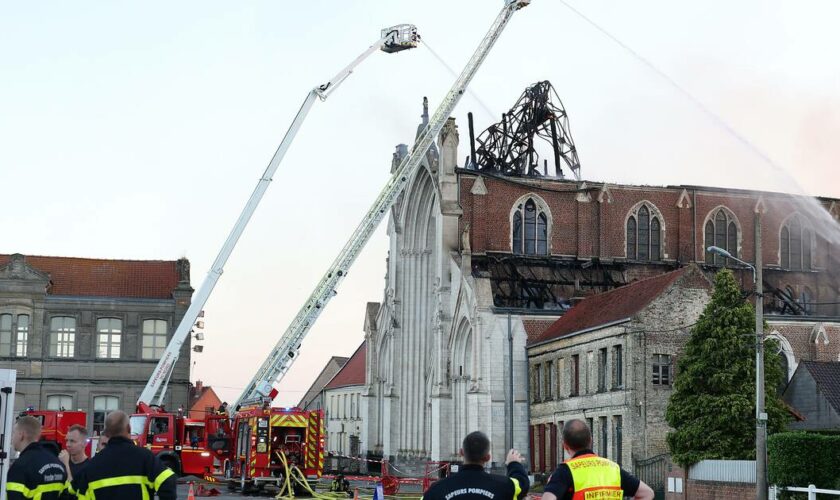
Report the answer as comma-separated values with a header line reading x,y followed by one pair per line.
x,y
486,255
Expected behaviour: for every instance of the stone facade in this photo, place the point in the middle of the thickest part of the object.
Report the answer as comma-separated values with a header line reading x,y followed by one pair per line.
x,y
620,390
55,305
438,361
603,375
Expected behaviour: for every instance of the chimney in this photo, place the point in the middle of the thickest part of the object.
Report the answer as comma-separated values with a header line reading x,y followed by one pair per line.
x,y
198,387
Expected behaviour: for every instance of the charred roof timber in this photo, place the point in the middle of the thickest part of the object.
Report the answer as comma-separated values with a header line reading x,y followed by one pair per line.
x,y
508,147
545,283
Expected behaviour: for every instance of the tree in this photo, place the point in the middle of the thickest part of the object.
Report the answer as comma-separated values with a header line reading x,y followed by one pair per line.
x,y
712,407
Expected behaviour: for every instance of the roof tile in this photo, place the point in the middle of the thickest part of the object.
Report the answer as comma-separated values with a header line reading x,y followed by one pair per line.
x,y
74,276
611,306
353,372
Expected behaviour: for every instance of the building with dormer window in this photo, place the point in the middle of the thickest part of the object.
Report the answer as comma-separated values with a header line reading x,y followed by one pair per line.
x,y
86,334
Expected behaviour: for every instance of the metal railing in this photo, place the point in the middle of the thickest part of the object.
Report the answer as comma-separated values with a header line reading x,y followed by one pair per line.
x,y
811,490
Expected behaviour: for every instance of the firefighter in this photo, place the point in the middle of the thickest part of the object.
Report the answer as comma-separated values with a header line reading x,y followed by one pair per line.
x,y
37,473
472,483
74,457
587,475
123,470
341,484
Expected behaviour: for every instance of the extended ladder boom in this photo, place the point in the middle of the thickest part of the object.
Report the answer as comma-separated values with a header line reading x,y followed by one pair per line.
x,y
284,353
393,39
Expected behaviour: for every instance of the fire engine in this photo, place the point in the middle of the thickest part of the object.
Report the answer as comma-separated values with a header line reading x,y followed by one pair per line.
x,y
55,424
185,445
264,440
269,441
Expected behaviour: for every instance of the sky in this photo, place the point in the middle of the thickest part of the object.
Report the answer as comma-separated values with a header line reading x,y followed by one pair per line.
x,y
136,130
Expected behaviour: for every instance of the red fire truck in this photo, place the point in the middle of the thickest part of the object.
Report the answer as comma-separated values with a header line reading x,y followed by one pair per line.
x,y
267,439
185,445
54,426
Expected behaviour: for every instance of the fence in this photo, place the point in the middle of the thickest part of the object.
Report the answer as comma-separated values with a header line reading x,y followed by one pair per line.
x,y
726,471
653,471
811,490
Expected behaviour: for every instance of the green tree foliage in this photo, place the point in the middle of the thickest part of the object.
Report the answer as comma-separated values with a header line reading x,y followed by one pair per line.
x,y
712,407
803,458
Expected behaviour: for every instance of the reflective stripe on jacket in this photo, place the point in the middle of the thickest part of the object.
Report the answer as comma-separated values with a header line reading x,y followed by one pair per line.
x,y
36,474
595,478
124,471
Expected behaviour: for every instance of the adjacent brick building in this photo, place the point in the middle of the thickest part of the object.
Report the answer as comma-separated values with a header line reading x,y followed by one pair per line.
x,y
203,400
86,333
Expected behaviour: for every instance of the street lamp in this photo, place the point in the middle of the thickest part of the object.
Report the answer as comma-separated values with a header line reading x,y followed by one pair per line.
x,y
760,415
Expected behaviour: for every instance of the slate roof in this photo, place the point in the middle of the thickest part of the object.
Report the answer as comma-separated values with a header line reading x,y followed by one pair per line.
x,y
75,276
826,374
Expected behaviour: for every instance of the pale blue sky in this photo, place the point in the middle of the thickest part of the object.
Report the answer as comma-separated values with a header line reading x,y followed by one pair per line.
x,y
137,130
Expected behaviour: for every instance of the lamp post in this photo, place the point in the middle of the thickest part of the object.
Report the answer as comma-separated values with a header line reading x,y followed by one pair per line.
x,y
760,415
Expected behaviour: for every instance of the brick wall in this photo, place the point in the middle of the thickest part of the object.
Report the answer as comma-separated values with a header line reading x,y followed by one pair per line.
x,y
693,489
713,490
587,221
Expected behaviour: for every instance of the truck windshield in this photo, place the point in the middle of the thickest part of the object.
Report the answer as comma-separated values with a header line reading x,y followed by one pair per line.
x,y
138,424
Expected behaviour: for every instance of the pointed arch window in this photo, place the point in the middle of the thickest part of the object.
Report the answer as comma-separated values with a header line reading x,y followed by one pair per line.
x,y
530,229
795,249
644,235
721,231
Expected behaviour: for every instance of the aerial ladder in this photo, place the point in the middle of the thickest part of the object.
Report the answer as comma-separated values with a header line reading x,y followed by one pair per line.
x,y
286,350
394,39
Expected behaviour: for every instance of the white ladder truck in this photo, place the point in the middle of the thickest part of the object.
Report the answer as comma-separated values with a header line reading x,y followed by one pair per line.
x,y
284,353
394,39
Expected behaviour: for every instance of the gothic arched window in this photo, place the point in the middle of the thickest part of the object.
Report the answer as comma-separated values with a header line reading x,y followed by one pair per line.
x,y
644,235
530,229
795,245
721,231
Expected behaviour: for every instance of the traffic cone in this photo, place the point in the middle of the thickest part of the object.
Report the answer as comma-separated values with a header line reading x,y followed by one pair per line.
x,y
191,494
356,494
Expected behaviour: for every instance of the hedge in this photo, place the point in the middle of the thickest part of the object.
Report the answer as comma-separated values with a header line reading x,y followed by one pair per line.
x,y
803,458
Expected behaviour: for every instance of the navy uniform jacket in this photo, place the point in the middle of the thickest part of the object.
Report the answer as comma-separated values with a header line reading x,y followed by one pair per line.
x,y
37,473
472,483
124,471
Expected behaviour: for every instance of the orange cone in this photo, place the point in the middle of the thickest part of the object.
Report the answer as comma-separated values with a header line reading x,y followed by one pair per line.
x,y
356,494
191,494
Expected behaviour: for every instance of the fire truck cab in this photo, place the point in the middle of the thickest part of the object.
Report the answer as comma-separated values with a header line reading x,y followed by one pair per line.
x,y
185,445
55,424
263,435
